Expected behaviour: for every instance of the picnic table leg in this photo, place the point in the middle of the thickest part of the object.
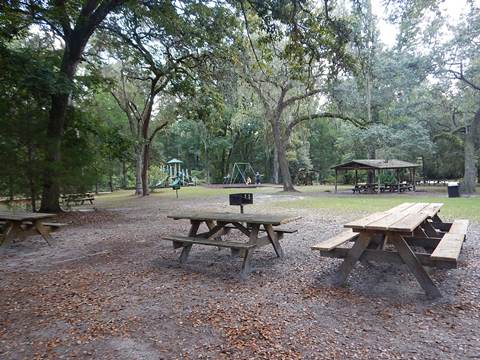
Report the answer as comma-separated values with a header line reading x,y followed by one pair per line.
x,y
272,236
44,231
352,257
186,249
248,252
11,231
211,225
409,258
429,229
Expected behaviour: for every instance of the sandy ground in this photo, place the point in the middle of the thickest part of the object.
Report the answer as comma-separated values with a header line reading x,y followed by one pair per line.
x,y
110,289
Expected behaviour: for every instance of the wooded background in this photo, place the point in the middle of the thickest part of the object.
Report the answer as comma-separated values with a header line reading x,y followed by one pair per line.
x,y
98,94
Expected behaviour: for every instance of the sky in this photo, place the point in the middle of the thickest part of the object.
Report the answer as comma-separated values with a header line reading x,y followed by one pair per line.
x,y
388,32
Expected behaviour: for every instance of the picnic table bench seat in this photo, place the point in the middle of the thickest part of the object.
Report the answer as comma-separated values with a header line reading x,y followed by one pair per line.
x,y
337,240
449,247
184,240
278,229
52,226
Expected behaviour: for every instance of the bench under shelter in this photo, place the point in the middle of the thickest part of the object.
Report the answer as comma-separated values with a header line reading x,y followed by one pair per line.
x,y
376,166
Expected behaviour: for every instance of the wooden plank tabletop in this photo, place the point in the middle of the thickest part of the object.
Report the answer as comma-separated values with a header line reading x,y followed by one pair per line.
x,y
24,216
276,219
405,217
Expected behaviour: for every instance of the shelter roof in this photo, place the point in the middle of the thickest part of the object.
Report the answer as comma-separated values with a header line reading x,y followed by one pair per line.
x,y
375,164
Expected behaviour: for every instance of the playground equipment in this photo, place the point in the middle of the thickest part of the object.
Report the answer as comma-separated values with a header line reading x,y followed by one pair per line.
x,y
176,186
241,172
173,173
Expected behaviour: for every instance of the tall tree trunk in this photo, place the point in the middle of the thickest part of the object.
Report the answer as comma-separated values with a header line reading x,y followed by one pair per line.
x,y
222,163
207,164
11,190
472,134
124,175
138,170
145,165
280,145
31,182
470,175
275,165
51,176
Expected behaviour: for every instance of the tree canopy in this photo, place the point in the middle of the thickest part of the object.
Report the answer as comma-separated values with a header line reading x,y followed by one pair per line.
x,y
100,94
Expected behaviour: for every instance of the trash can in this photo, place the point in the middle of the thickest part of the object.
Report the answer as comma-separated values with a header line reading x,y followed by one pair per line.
x,y
453,190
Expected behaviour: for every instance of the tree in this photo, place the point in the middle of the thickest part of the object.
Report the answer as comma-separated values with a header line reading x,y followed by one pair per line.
x,y
162,44
292,66
74,23
463,64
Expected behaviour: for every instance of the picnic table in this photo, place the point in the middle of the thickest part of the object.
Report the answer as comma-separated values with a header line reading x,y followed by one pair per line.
x,y
364,187
373,188
411,233
21,225
220,224
402,187
77,199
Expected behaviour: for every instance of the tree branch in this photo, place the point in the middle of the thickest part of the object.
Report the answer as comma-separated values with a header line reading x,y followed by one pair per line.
x,y
460,76
157,129
294,99
298,120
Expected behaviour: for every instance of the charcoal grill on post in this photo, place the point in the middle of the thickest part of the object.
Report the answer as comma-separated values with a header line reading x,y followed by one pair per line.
x,y
241,200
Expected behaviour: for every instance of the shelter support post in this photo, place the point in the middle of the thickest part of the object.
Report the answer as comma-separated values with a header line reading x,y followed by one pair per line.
x,y
414,181
336,174
378,180
398,180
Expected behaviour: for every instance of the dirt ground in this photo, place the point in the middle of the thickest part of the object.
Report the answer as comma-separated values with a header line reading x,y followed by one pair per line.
x,y
109,288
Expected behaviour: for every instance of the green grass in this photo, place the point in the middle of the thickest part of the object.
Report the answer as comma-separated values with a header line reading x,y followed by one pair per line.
x,y
184,193
317,197
454,208
202,192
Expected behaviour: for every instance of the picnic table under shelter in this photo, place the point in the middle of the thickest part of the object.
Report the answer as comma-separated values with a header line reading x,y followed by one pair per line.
x,y
376,166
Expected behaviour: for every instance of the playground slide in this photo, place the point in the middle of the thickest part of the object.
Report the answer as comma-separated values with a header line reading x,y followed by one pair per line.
x,y
176,183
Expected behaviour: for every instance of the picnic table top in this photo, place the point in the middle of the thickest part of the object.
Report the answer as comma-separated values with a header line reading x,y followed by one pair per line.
x,y
77,195
276,219
405,217
24,216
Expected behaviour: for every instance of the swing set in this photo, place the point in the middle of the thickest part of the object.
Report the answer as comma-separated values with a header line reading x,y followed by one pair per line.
x,y
240,173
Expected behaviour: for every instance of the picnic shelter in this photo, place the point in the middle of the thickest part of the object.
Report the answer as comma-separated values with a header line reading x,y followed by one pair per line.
x,y
376,166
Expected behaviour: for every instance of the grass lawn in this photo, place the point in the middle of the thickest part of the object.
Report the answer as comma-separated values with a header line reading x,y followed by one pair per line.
x,y
454,208
317,197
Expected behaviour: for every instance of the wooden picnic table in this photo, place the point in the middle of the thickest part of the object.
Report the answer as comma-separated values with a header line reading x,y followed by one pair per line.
x,y
20,225
411,233
220,224
77,199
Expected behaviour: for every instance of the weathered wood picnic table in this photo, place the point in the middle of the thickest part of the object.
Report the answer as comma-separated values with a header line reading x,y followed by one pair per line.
x,y
411,233
220,224
20,225
77,199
